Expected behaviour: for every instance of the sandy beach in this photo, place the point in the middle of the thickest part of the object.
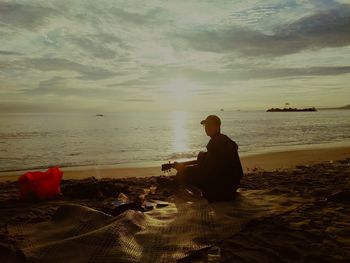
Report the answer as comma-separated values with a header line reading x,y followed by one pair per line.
x,y
300,214
263,161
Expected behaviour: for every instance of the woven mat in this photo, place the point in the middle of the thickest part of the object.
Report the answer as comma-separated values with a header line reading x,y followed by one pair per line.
x,y
80,234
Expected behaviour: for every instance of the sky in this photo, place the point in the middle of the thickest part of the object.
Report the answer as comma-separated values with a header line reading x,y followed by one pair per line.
x,y
109,55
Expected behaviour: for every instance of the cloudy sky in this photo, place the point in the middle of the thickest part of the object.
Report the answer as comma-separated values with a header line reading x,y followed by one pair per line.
x,y
110,55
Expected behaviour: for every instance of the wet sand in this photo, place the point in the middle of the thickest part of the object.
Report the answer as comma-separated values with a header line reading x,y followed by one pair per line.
x,y
263,161
316,231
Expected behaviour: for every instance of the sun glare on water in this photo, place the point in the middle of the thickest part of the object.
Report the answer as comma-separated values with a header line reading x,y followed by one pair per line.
x,y
180,135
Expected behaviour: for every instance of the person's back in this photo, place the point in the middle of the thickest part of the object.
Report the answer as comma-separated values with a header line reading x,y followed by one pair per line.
x,y
221,168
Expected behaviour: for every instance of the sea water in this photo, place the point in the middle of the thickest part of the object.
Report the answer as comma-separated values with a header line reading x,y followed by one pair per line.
x,y
29,141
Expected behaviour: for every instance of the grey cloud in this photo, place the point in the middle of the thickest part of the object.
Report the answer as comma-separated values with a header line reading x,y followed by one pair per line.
x,y
98,51
329,28
138,100
271,73
294,72
60,64
24,106
97,45
27,105
61,86
150,17
26,16
8,53
233,73
52,85
131,83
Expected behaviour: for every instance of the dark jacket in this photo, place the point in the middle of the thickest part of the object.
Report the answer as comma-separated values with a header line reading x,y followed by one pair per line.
x,y
221,165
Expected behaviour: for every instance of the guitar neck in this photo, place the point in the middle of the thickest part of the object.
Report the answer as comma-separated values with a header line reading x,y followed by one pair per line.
x,y
168,166
192,162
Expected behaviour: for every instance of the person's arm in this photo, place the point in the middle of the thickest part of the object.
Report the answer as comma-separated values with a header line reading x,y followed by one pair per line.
x,y
181,166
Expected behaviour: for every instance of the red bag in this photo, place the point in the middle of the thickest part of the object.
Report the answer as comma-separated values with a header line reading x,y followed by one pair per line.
x,y
42,185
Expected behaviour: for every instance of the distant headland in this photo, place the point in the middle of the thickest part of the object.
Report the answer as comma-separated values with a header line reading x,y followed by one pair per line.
x,y
290,109
347,107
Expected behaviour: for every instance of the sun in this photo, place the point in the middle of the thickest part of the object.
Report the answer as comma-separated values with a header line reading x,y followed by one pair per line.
x,y
180,89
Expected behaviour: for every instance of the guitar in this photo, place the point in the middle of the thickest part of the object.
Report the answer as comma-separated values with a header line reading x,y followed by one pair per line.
x,y
169,166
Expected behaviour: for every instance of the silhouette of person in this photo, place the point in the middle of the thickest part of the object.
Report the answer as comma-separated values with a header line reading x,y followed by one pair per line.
x,y
218,171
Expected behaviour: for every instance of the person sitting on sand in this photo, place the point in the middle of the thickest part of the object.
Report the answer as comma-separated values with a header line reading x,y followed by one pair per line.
x,y
218,171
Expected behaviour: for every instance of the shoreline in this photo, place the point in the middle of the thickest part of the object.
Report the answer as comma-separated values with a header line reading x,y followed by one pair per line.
x,y
267,161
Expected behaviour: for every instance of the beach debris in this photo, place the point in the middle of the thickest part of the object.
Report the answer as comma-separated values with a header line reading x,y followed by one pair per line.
x,y
122,204
41,185
161,204
214,254
254,169
146,192
123,198
119,207
148,205
93,188
153,189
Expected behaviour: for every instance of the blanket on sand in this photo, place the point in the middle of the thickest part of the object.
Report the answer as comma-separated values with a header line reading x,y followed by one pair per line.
x,y
189,223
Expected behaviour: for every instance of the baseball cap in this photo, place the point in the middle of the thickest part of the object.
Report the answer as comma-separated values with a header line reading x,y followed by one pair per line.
x,y
211,119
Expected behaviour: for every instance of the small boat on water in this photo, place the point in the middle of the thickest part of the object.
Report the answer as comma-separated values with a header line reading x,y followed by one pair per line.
x,y
99,115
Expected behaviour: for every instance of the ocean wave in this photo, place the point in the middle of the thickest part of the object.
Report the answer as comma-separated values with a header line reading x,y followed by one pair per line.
x,y
183,155
70,142
22,135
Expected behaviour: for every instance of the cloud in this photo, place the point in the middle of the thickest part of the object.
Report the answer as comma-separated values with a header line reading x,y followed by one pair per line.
x,y
138,100
27,106
151,16
53,85
8,53
96,45
270,73
87,72
329,28
24,16
63,87
237,72
100,52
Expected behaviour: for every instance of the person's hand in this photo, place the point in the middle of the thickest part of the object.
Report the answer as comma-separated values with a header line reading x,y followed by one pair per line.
x,y
179,166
